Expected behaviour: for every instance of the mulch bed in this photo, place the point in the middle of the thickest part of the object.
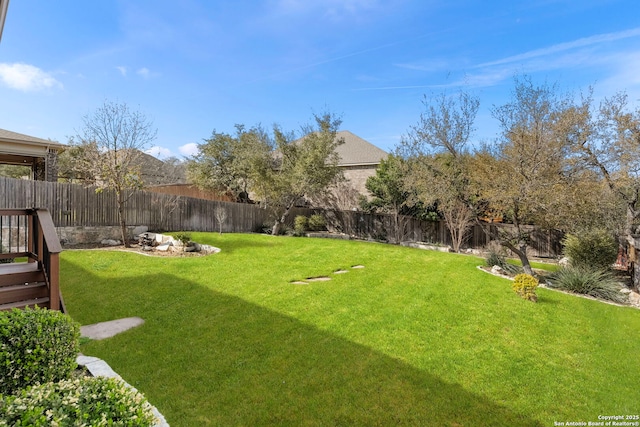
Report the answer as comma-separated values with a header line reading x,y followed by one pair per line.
x,y
134,248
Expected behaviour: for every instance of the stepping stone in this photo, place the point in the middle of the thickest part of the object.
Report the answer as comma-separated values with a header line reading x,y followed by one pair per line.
x,y
299,282
99,331
319,279
340,271
357,266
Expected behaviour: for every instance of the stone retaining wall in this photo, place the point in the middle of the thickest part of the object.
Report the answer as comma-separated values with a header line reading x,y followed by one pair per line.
x,y
88,235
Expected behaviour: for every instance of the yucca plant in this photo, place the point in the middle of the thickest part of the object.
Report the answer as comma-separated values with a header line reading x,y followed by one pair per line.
x,y
496,258
588,281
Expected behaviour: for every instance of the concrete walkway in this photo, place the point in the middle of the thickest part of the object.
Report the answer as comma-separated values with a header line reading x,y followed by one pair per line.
x,y
102,330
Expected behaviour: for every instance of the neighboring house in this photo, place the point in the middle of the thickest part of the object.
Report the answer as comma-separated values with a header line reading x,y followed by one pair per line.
x,y
154,171
41,155
359,159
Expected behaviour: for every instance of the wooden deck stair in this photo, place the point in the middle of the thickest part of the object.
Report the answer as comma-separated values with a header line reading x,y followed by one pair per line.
x,y
29,234
23,285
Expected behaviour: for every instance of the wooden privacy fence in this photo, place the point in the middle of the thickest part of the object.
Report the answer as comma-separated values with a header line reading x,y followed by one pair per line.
x,y
383,227
73,205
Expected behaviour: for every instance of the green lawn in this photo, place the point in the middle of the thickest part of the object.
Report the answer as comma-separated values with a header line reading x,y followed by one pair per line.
x,y
413,338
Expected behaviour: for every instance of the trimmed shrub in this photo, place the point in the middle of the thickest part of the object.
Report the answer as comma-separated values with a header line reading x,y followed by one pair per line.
x,y
596,249
525,285
495,257
317,223
588,281
84,401
300,225
36,346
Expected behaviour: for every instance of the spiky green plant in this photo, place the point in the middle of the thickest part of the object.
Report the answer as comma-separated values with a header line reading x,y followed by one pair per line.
x,y
588,281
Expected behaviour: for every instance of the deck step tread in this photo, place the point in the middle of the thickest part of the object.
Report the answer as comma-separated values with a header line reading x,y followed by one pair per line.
x,y
40,302
25,292
20,273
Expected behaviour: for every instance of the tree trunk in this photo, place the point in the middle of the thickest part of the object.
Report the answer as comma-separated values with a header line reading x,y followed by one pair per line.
x,y
521,251
396,226
122,218
277,227
634,269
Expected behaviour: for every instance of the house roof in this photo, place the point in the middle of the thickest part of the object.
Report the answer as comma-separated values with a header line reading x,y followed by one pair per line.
x,y
357,152
157,172
14,145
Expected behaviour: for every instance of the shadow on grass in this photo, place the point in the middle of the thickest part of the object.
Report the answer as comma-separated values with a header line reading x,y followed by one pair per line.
x,y
206,358
229,246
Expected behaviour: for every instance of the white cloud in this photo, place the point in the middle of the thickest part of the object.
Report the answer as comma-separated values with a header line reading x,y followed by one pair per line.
x,y
123,70
189,149
144,72
26,77
563,47
159,152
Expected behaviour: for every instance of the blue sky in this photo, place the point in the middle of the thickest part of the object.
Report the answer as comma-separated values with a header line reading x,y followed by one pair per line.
x,y
192,66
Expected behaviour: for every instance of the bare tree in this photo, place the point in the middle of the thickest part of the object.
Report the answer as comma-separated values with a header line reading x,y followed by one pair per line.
x,y
166,204
112,138
221,216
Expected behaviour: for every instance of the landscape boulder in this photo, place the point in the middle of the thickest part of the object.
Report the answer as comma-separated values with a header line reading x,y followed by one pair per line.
x,y
110,242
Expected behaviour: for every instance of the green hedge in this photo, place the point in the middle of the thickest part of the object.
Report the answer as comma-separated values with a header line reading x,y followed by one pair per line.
x,y
592,249
317,223
86,401
36,346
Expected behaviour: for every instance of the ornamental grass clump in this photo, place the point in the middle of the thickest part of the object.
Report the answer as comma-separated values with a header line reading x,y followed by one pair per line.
x,y
87,401
36,346
587,281
525,285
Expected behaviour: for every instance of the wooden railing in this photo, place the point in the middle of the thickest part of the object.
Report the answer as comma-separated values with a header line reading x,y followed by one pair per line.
x,y
31,234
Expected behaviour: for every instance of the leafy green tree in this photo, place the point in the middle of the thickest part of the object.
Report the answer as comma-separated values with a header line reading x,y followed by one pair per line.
x,y
388,191
228,163
606,140
15,171
525,175
109,148
279,170
299,168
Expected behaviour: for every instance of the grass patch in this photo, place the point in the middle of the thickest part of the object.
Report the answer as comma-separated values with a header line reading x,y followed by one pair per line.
x,y
545,266
414,338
